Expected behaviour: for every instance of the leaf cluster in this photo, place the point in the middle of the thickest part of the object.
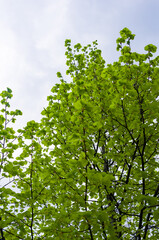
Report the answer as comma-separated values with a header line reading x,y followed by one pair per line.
x,y
89,168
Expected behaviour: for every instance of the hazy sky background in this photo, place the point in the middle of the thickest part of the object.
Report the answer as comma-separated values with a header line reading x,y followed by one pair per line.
x,y
32,35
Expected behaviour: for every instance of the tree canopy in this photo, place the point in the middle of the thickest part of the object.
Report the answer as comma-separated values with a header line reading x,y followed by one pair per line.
x,y
89,168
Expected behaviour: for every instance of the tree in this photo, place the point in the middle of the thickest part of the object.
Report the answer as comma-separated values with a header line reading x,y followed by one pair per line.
x,y
89,169
8,146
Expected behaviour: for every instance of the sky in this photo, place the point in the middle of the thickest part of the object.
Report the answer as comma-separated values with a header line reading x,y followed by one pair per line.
x,y
33,32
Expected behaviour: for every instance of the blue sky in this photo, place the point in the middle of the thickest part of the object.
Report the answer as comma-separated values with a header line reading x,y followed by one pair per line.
x,y
32,35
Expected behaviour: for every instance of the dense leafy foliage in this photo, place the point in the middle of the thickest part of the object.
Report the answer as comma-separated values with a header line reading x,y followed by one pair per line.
x,y
89,169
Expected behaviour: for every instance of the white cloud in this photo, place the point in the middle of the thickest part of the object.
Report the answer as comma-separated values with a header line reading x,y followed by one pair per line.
x,y
50,29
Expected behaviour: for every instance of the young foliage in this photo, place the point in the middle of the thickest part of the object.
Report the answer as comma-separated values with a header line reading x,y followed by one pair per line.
x,y
89,169
8,145
103,129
